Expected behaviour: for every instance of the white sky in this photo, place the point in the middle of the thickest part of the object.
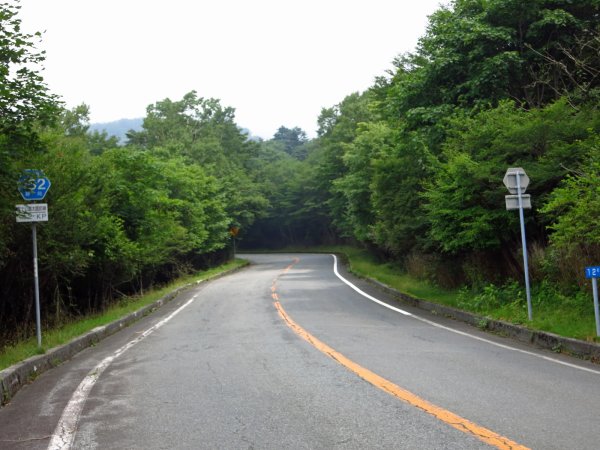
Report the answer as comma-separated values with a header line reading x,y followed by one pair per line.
x,y
277,62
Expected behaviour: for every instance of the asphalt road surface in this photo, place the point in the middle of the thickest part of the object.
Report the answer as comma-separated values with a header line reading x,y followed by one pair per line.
x,y
285,354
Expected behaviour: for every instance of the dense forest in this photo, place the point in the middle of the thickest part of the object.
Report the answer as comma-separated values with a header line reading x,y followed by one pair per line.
x,y
410,169
413,167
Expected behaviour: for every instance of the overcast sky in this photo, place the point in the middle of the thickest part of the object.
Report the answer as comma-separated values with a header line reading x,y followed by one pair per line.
x,y
277,62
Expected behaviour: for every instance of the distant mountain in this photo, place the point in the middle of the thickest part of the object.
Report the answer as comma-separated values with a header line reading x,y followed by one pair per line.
x,y
250,136
118,128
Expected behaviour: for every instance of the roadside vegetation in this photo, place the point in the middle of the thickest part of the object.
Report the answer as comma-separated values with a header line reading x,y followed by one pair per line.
x,y
554,312
569,316
409,170
12,354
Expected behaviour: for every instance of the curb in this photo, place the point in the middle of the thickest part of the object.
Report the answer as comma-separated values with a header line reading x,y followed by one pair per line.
x,y
15,377
581,349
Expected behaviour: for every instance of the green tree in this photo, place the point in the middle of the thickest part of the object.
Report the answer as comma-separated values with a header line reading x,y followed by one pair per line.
x,y
338,127
477,53
24,98
356,185
204,133
465,204
293,141
573,209
25,101
400,171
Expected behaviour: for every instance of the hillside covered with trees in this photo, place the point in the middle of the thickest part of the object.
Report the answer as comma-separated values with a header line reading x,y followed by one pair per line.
x,y
411,168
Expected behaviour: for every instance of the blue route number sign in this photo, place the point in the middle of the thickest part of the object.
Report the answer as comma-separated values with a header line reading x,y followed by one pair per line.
x,y
33,185
592,272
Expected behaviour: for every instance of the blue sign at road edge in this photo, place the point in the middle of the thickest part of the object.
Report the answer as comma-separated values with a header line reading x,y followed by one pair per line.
x,y
592,272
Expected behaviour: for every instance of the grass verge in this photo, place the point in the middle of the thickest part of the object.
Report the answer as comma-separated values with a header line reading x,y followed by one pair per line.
x,y
552,311
20,351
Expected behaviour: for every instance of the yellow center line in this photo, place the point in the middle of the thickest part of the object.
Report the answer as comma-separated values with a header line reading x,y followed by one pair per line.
x,y
455,421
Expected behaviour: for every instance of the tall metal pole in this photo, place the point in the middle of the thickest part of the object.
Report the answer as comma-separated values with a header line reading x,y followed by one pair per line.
x,y
596,308
37,288
524,243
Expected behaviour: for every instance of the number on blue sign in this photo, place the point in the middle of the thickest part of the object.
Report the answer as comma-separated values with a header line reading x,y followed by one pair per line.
x,y
592,272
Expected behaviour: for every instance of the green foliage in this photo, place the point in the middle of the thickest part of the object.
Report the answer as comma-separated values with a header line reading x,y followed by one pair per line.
x,y
355,185
478,53
465,202
24,102
203,132
554,311
459,209
293,141
400,171
296,214
120,218
124,218
412,168
492,297
574,208
339,126
24,98
167,207
433,184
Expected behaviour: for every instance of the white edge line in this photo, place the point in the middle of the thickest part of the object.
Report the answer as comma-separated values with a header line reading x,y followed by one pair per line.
x,y
462,333
64,433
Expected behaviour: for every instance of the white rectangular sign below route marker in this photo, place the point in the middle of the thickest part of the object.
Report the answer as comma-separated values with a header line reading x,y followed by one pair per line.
x,y
32,212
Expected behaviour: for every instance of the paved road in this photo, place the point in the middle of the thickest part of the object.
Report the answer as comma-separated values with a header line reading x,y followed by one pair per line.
x,y
220,367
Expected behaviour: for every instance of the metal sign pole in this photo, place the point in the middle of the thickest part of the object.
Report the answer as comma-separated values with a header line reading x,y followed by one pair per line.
x,y
33,186
524,243
596,308
37,288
